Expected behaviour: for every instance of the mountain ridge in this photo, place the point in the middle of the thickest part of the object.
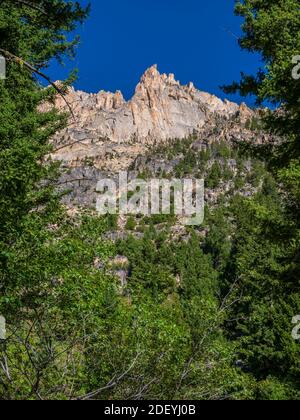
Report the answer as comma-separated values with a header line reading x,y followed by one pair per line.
x,y
160,109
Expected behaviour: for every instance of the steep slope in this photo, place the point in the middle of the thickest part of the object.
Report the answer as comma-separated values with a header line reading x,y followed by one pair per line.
x,y
110,135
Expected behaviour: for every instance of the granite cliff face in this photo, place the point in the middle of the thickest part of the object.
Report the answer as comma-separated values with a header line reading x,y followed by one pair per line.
x,y
111,135
108,127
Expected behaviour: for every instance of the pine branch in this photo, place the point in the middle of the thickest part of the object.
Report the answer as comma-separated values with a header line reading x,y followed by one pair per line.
x,y
18,60
32,6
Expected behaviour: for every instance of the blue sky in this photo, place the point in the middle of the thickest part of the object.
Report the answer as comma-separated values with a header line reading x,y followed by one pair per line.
x,y
186,37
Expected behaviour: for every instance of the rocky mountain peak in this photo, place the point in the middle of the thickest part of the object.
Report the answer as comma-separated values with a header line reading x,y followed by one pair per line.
x,y
151,74
160,109
153,82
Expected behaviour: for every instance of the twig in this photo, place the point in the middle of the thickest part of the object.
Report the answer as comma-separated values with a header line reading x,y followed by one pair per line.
x,y
111,383
69,145
231,33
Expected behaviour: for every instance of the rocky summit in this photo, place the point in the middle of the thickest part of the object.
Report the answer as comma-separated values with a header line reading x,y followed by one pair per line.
x,y
161,109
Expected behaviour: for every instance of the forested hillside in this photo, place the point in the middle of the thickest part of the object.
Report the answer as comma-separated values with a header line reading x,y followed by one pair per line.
x,y
142,307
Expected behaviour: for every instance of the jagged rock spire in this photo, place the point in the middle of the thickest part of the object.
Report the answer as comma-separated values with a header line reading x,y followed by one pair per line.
x,y
160,109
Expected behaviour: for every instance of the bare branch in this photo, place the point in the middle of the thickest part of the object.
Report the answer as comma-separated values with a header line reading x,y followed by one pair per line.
x,y
112,383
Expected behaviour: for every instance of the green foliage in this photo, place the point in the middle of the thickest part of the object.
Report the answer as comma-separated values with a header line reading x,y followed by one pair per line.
x,y
265,253
180,279
239,182
130,224
214,176
25,132
172,148
271,29
186,165
257,173
218,242
188,318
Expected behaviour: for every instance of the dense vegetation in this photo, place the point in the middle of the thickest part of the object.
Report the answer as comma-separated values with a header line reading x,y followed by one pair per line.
x,y
265,257
207,316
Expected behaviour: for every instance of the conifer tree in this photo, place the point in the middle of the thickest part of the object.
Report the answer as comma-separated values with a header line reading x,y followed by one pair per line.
x,y
265,257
